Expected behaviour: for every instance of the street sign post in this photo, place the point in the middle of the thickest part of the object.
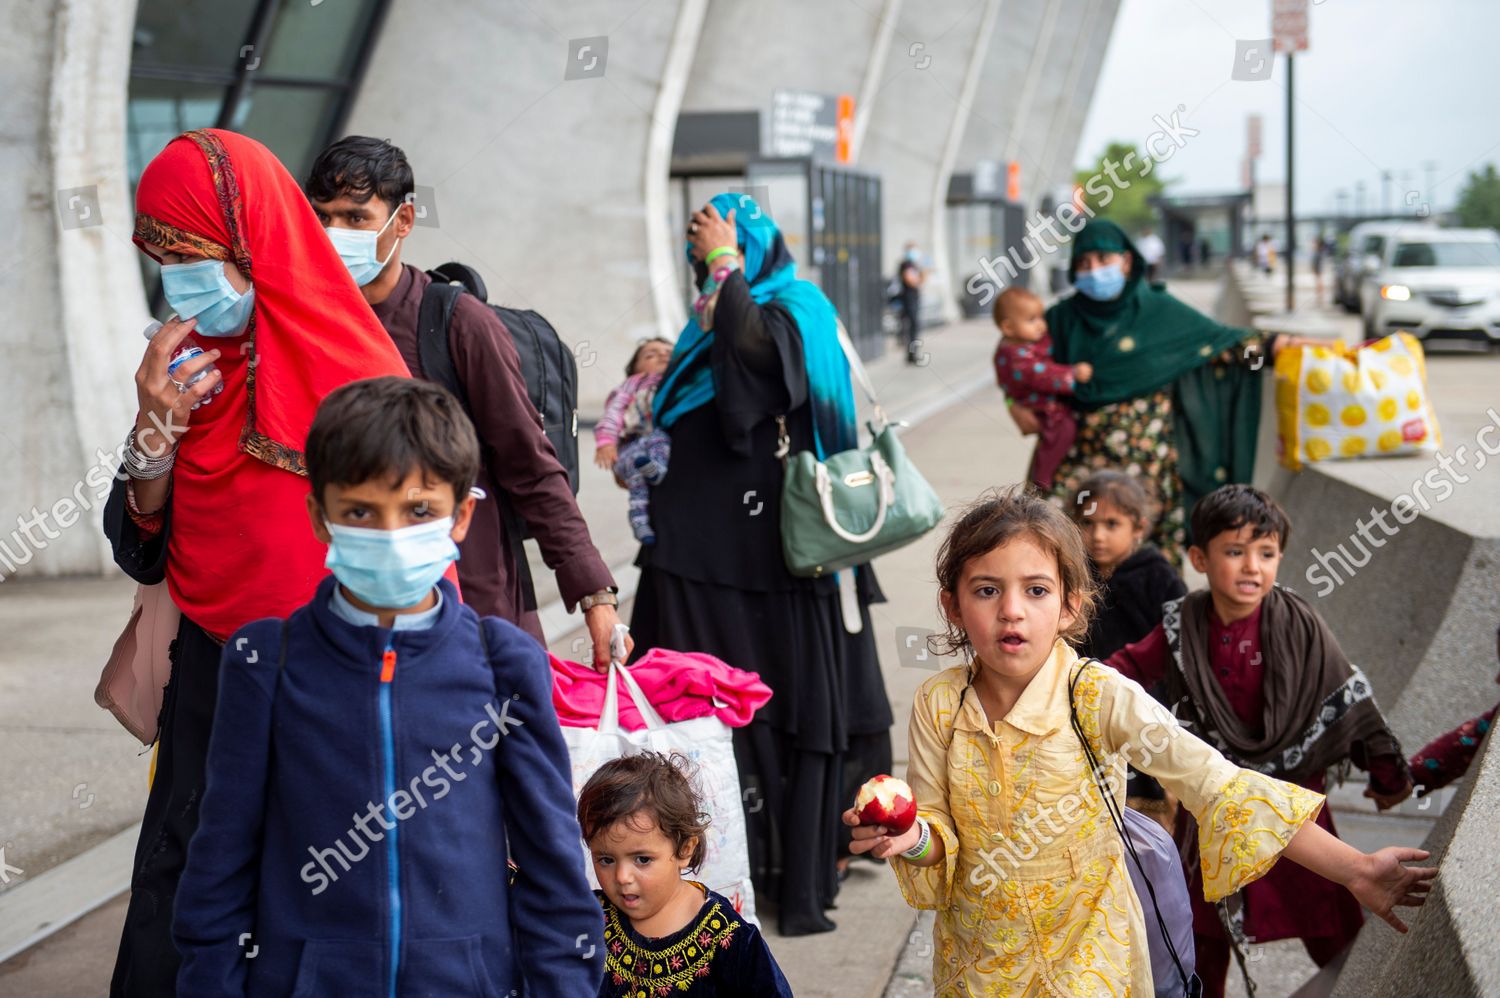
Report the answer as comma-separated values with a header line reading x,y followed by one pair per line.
x,y
1289,32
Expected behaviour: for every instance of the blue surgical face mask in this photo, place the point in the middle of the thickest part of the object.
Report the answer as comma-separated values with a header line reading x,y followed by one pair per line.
x,y
1103,283
391,569
357,249
202,291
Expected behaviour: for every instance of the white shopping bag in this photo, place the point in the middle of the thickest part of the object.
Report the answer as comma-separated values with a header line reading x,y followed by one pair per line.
x,y
708,743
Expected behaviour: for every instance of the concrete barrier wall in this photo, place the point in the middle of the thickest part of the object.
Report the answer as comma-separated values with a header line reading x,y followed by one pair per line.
x,y
1417,613
1452,948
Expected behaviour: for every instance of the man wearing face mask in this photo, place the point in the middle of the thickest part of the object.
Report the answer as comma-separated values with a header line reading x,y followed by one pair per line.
x,y
361,189
1175,395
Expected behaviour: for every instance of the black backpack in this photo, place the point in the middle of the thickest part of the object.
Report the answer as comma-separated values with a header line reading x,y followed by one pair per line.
x,y
547,364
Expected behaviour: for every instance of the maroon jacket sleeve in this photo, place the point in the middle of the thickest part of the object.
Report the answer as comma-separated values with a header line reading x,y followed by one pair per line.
x,y
1145,661
1388,774
1447,757
1038,373
519,454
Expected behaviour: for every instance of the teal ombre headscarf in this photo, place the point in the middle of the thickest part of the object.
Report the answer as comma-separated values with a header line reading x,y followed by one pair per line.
x,y
772,274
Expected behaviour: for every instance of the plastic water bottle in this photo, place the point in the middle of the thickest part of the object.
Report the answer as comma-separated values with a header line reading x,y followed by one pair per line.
x,y
184,354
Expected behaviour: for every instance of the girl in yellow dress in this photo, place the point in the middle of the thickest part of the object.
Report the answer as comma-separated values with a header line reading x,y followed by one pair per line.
x,y
1013,847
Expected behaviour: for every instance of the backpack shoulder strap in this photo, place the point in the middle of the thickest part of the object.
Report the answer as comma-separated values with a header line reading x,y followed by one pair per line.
x,y
1083,664
1190,983
433,320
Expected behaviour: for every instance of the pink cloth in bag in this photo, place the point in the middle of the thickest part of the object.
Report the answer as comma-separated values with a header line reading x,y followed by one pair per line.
x,y
680,685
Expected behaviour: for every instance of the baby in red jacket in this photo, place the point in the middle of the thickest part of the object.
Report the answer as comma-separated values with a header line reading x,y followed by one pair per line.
x,y
1027,374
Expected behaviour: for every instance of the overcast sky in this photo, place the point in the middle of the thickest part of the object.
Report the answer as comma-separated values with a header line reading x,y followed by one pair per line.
x,y
1384,85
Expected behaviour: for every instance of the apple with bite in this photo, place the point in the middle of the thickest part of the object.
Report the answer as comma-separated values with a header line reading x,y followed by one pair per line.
x,y
885,800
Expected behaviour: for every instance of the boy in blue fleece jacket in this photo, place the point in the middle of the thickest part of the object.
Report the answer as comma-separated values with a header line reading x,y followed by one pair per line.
x,y
377,756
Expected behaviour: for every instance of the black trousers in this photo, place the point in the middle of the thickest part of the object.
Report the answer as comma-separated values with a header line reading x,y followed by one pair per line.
x,y
147,961
911,307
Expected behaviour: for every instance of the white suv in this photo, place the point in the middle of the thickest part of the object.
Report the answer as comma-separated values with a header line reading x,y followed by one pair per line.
x,y
1435,282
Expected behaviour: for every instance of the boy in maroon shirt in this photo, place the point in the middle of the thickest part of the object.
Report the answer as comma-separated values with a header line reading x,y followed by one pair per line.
x,y
1253,670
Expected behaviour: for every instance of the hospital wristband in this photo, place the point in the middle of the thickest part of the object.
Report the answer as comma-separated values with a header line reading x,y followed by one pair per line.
x,y
924,843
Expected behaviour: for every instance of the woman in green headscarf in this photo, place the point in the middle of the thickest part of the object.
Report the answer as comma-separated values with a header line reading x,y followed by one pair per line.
x,y
1175,396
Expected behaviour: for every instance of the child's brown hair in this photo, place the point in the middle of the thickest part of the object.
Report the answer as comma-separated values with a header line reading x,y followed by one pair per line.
x,y
998,517
1230,507
649,784
643,344
1014,293
1125,492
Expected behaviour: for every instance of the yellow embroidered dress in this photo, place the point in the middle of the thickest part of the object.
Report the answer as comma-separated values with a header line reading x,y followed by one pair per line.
x,y
1033,897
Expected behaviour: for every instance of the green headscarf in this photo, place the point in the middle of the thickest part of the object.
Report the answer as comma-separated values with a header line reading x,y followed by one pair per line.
x,y
1146,340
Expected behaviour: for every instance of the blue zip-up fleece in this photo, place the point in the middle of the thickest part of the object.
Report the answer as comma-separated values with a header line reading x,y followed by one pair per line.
x,y
359,808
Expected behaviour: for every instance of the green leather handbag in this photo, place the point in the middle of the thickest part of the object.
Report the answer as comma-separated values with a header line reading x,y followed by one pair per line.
x,y
856,505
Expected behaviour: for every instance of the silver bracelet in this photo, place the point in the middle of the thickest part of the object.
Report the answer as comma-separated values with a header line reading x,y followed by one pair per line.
x,y
923,841
143,466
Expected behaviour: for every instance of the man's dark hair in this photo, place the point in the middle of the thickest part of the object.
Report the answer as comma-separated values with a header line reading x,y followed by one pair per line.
x,y
360,167
1230,507
388,427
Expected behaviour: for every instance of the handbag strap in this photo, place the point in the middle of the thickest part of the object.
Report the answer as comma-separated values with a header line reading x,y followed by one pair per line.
x,y
1118,820
857,367
860,376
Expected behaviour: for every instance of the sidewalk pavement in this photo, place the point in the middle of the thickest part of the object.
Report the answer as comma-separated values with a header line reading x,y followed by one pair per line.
x,y
74,779
963,444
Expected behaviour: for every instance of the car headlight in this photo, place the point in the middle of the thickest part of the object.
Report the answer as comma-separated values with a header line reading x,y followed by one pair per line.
x,y
1395,292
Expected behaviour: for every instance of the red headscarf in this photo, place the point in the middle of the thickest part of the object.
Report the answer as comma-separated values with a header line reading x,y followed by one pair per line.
x,y
240,546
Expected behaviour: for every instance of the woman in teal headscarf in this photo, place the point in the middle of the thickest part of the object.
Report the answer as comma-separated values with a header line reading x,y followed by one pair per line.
x,y
1175,396
762,350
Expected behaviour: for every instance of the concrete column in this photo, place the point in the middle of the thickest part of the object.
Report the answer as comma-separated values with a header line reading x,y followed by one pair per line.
x,y
536,127
916,112
69,276
1086,62
1046,98
1000,102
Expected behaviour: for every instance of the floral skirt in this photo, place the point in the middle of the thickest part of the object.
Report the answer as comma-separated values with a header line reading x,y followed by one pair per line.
x,y
1136,437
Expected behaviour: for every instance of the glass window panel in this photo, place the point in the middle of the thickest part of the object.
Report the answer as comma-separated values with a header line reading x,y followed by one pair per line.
x,y
317,42
199,34
160,110
292,121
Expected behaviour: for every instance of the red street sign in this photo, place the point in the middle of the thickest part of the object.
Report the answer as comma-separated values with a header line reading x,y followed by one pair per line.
x,y
1289,25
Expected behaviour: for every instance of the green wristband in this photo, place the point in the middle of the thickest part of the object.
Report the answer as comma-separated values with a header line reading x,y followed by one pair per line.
x,y
721,251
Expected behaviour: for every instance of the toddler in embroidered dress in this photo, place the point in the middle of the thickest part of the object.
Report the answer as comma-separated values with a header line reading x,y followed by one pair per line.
x,y
664,933
626,439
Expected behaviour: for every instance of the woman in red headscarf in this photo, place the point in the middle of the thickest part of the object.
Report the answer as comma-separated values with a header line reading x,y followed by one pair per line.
x,y
215,499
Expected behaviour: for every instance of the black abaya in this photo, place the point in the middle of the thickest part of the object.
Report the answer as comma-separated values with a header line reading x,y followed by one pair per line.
x,y
715,582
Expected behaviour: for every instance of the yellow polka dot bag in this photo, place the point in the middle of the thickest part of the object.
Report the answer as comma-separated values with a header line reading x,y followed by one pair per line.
x,y
1372,401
